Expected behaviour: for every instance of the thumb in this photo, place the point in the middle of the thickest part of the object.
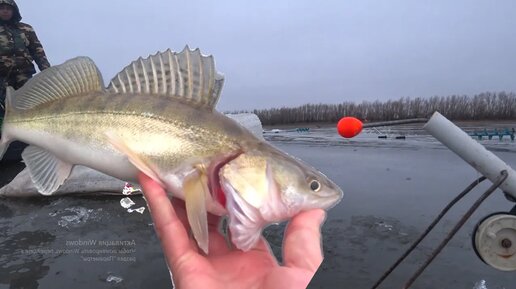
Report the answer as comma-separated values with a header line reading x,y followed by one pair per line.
x,y
302,244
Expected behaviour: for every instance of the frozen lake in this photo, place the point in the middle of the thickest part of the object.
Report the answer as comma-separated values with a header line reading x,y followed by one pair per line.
x,y
393,189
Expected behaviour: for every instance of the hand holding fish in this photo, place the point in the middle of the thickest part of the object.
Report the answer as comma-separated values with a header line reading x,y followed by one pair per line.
x,y
233,268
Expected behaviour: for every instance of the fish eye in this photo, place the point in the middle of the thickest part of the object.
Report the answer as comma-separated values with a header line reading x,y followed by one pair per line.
x,y
315,185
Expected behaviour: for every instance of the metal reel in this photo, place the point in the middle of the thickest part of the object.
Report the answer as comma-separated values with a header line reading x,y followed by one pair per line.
x,y
494,241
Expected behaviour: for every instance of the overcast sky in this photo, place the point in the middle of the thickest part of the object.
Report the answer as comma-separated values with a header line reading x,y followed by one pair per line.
x,y
286,53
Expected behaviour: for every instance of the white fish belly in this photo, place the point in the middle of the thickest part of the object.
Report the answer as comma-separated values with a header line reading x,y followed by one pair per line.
x,y
109,162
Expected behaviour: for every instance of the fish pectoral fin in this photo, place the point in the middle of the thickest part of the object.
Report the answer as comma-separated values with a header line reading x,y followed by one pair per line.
x,y
118,142
45,169
245,221
195,187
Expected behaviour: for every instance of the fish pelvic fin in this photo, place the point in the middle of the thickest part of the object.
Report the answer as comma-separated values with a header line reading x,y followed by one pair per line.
x,y
187,76
74,77
195,187
119,144
47,172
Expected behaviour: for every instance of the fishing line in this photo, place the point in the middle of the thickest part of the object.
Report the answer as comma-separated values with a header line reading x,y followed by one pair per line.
x,y
457,227
427,231
452,233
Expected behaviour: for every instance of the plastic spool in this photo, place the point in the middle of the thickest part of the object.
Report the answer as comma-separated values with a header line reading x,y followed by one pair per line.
x,y
495,241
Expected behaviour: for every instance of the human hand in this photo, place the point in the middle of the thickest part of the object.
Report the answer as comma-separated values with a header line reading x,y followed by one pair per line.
x,y
231,268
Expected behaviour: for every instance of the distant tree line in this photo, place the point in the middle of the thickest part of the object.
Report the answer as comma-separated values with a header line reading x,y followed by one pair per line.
x,y
484,106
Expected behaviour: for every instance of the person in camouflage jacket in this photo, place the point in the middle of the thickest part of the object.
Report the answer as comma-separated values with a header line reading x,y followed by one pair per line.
x,y
19,47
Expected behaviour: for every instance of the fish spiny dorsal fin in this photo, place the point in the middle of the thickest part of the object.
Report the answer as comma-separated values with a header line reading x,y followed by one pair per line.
x,y
74,77
188,76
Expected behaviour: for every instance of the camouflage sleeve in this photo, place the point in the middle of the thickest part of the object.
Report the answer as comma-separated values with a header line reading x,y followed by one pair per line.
x,y
36,50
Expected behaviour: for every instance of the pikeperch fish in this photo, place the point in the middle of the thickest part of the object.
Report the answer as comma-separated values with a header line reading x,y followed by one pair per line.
x,y
158,116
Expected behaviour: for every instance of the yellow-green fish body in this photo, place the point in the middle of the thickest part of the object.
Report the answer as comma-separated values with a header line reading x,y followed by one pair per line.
x,y
157,116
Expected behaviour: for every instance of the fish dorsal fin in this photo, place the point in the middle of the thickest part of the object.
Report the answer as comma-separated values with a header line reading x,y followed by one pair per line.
x,y
188,76
74,77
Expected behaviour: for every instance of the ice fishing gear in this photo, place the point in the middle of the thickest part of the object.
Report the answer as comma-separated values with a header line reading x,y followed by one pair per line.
x,y
494,238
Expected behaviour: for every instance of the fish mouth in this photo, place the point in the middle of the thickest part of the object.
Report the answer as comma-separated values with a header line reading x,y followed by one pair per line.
x,y
328,201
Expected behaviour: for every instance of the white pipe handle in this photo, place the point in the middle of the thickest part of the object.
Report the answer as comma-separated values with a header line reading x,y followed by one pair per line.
x,y
484,161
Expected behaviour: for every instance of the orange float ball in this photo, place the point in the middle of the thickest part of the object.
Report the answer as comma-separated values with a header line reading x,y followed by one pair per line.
x,y
349,127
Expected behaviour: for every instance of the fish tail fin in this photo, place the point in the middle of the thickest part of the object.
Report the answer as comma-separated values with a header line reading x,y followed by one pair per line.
x,y
5,140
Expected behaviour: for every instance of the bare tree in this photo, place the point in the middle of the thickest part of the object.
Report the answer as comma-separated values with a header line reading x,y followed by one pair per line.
x,y
483,106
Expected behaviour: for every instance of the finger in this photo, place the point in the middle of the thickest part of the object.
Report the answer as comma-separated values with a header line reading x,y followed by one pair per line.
x,y
180,210
220,238
262,246
193,243
302,244
213,224
214,221
170,230
218,245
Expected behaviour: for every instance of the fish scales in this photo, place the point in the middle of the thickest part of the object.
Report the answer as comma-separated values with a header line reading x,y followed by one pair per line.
x,y
158,117
180,130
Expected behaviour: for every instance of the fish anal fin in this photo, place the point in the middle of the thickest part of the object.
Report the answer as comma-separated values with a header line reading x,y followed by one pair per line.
x,y
195,187
119,144
45,169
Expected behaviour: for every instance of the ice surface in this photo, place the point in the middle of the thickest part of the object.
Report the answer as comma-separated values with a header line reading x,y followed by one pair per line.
x,y
415,137
79,215
480,285
115,279
381,214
